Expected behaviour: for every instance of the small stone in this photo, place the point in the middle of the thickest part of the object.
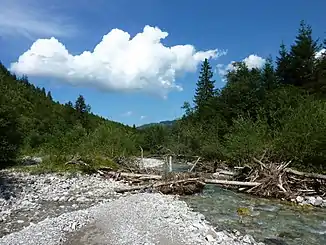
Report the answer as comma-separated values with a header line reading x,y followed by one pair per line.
x,y
198,225
82,199
20,221
210,238
324,203
299,199
71,199
236,232
318,201
248,239
65,186
311,200
63,199
74,226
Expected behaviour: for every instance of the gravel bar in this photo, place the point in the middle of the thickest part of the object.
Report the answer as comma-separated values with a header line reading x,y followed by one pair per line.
x,y
102,216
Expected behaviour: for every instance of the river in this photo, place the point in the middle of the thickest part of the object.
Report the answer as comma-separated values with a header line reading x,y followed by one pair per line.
x,y
267,218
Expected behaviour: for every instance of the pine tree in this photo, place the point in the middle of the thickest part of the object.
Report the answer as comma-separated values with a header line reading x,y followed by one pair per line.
x,y
49,95
303,58
43,91
282,65
320,85
205,87
80,105
82,110
268,76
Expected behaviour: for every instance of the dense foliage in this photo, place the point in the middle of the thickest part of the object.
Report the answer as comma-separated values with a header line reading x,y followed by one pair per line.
x,y
280,110
32,123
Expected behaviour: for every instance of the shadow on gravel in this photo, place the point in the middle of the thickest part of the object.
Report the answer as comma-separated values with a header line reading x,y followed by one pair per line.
x,y
8,185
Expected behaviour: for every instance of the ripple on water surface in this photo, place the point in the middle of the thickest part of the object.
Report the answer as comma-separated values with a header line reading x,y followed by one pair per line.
x,y
266,219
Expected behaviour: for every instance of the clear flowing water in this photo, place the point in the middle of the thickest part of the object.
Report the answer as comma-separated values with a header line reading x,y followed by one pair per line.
x,y
267,218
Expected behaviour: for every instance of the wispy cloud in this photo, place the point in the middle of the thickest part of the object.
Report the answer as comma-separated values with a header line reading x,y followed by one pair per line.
x,y
142,117
19,18
127,114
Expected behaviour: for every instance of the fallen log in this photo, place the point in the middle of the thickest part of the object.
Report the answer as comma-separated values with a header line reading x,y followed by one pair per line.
x,y
305,174
205,181
132,175
154,186
228,182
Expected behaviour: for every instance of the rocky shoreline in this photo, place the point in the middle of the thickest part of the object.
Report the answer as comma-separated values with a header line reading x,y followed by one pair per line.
x,y
51,208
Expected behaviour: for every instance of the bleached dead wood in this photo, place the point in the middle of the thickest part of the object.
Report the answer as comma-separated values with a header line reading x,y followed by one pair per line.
x,y
193,166
304,174
228,182
225,172
141,176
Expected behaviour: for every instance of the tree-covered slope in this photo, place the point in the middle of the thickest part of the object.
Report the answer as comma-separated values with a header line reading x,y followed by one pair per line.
x,y
32,122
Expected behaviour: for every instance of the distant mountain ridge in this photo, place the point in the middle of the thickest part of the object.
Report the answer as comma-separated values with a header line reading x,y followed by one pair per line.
x,y
163,123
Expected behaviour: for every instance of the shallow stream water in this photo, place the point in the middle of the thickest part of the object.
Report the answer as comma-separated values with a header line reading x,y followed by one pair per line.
x,y
267,218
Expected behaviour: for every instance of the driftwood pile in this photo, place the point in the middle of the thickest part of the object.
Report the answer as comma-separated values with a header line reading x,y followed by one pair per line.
x,y
280,181
265,179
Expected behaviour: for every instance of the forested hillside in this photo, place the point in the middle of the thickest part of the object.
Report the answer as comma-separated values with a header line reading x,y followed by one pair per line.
x,y
32,123
279,110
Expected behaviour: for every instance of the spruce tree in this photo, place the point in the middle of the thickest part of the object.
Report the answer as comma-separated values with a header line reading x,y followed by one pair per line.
x,y
49,95
282,65
320,85
82,110
268,76
303,58
205,87
80,105
43,91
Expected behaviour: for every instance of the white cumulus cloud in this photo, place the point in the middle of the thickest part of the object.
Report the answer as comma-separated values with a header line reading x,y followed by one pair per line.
x,y
252,61
117,63
320,53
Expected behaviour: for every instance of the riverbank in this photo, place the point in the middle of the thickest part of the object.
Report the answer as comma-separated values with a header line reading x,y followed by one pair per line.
x,y
53,209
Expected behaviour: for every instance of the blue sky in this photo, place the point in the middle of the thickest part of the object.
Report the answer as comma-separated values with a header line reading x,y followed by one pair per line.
x,y
158,78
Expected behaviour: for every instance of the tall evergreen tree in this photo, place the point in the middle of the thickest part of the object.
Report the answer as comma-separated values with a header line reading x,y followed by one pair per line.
x,y
82,110
80,105
320,85
43,91
282,65
303,58
268,76
49,95
205,87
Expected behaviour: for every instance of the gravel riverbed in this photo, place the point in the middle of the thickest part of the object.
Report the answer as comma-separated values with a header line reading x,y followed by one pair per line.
x,y
53,209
